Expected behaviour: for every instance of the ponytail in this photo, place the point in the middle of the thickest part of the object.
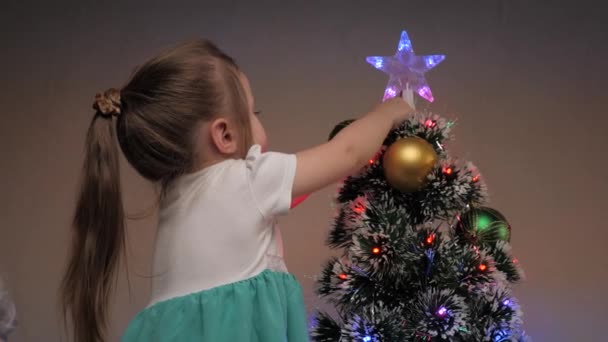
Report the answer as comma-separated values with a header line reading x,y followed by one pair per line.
x,y
98,234
157,113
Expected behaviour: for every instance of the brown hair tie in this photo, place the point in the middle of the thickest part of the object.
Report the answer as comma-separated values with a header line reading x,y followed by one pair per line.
x,y
108,103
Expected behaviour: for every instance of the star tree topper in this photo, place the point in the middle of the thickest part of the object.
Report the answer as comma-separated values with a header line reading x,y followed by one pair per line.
x,y
406,71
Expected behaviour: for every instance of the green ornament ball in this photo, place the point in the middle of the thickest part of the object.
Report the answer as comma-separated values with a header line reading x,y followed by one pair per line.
x,y
485,225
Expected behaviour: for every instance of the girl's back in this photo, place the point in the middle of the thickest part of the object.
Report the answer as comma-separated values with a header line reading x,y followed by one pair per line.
x,y
218,264
216,226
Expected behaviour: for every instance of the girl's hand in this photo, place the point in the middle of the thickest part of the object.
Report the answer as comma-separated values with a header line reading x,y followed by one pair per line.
x,y
395,108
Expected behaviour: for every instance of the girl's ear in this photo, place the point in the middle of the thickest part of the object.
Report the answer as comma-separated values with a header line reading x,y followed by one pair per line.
x,y
223,136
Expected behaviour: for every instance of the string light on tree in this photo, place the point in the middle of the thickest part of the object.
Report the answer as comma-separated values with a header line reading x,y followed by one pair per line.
x,y
442,312
430,239
359,208
502,335
376,250
375,158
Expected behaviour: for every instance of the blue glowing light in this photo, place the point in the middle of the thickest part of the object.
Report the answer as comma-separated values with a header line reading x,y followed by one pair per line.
x,y
367,339
390,92
502,335
405,44
432,61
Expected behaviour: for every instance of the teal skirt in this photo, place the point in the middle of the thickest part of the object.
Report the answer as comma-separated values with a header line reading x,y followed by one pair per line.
x,y
266,308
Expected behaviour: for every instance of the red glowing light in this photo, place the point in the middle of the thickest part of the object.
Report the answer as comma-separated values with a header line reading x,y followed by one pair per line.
x,y
448,170
430,123
476,178
483,267
430,239
376,250
371,161
343,276
359,208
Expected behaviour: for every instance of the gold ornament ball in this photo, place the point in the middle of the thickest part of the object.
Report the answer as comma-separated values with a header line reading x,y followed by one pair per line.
x,y
408,162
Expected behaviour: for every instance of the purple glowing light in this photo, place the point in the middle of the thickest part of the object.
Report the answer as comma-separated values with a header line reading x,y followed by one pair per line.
x,y
426,93
442,311
390,92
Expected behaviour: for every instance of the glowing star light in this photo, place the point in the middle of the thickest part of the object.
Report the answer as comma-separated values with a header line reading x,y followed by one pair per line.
x,y
406,70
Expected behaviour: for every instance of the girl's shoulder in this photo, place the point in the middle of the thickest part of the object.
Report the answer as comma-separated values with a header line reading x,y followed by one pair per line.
x,y
270,176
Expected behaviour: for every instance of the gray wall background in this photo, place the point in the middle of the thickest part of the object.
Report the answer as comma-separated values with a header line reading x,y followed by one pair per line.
x,y
524,79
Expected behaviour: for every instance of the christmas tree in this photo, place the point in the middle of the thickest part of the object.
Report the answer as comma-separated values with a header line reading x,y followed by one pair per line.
x,y
422,258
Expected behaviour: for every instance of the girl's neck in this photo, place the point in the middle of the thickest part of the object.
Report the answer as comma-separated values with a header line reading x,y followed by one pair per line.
x,y
204,164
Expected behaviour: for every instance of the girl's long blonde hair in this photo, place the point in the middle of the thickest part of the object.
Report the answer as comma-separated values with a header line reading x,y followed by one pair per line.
x,y
153,120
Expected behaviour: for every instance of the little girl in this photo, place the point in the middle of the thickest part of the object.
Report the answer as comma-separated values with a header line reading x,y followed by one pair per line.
x,y
186,121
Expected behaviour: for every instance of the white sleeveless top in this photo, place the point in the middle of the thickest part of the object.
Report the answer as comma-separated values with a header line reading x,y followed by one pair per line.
x,y
218,225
